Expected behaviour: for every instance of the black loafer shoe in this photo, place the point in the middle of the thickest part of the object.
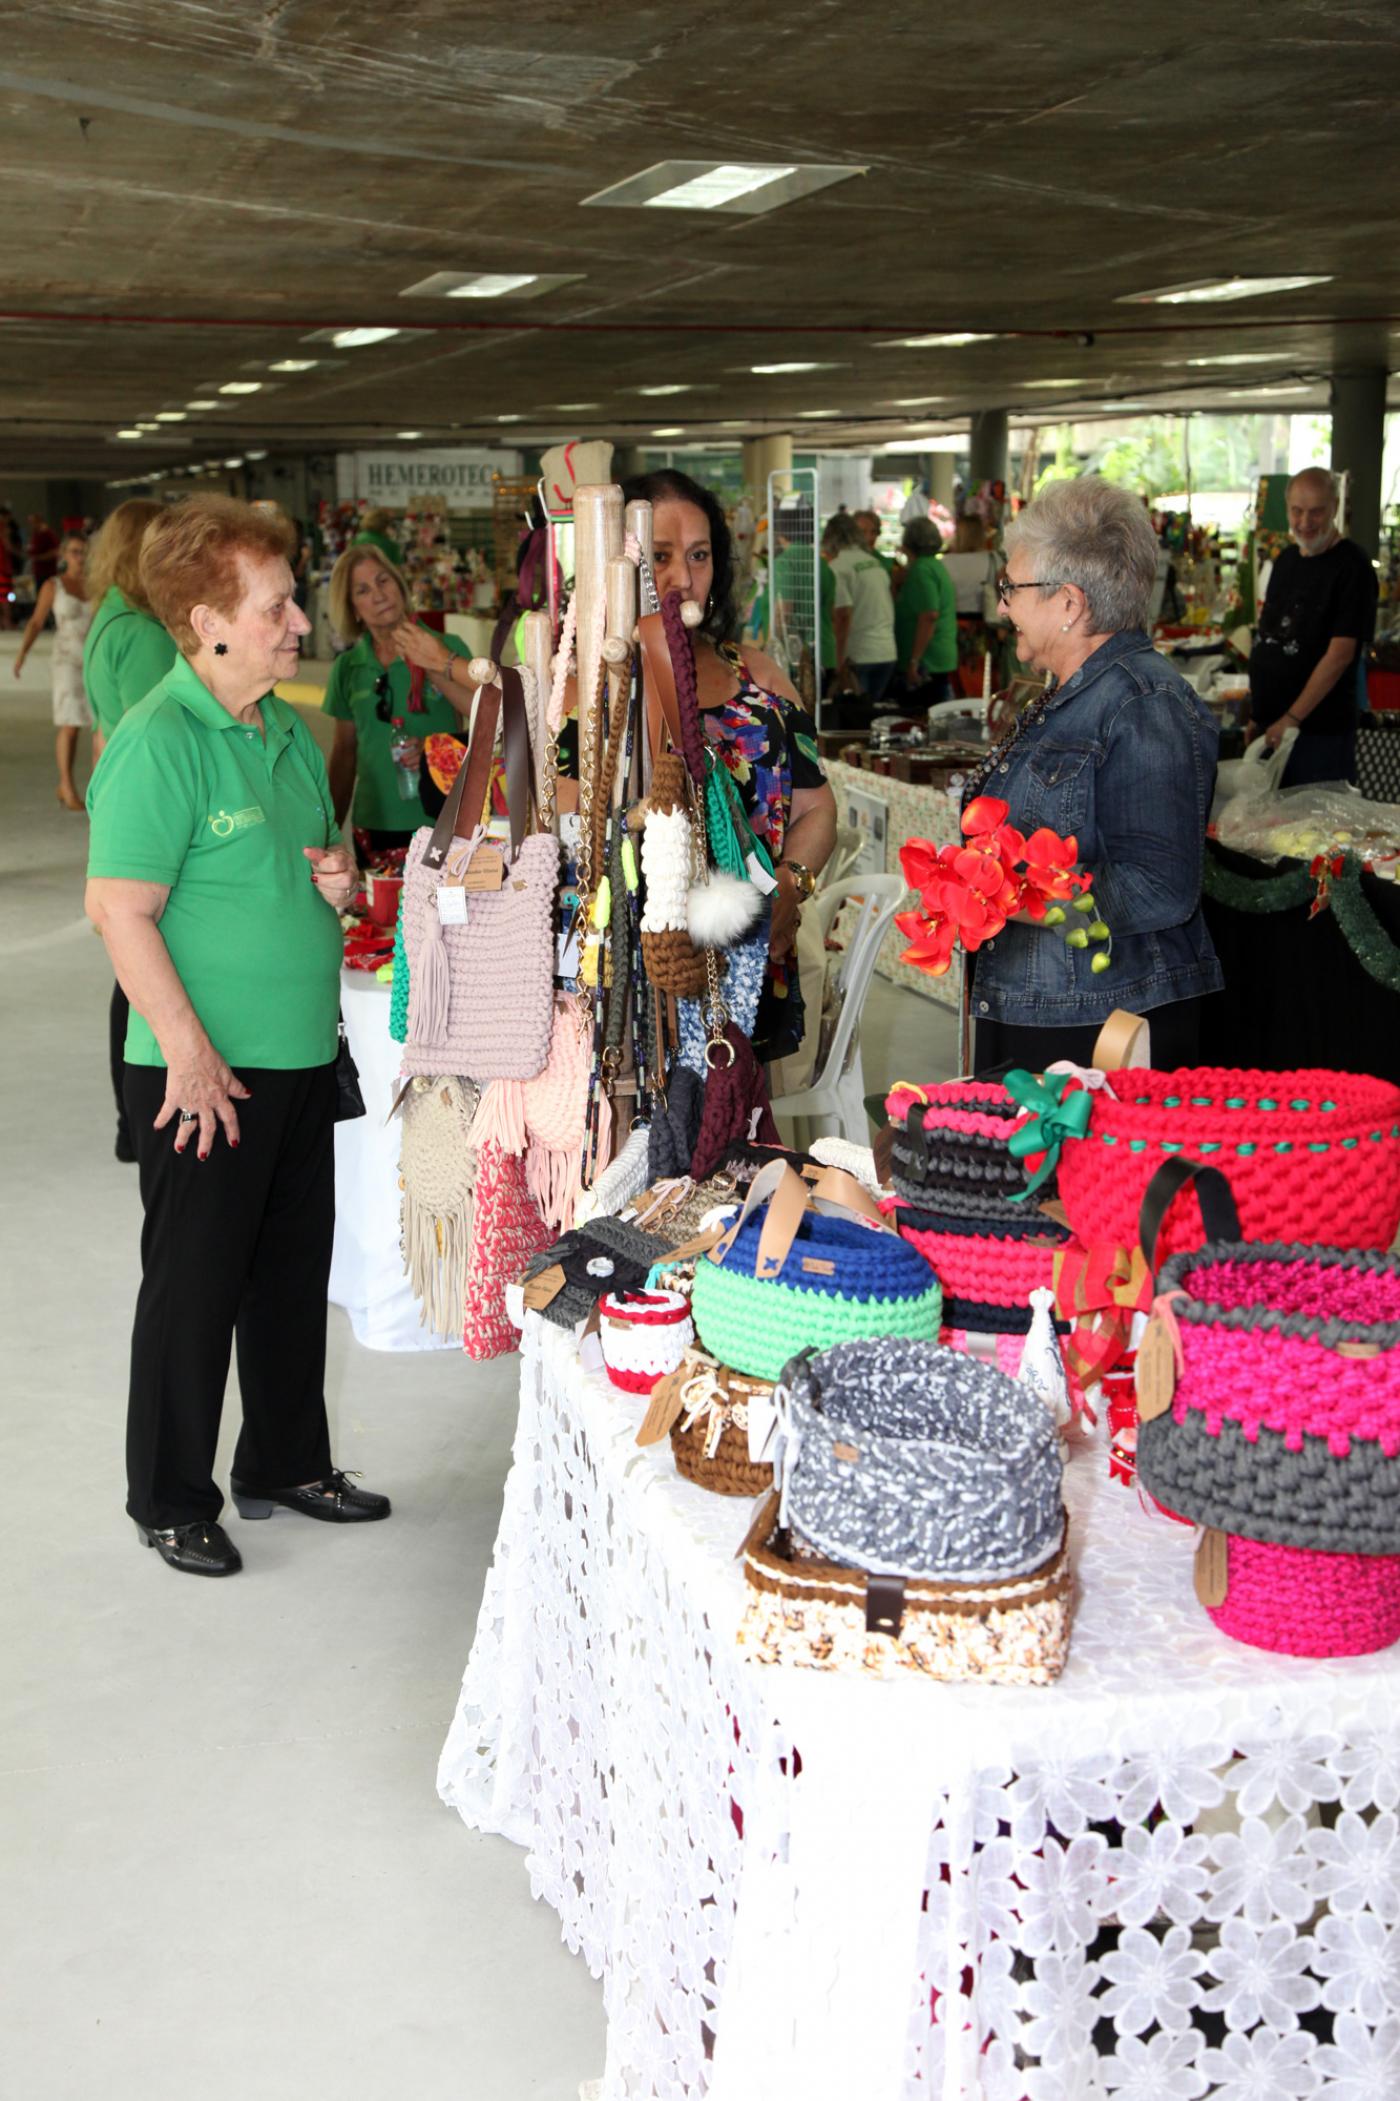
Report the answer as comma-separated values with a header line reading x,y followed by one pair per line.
x,y
198,1549
333,1500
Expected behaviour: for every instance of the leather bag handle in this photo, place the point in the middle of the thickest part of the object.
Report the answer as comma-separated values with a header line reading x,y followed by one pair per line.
x,y
474,777
1217,1200
789,1198
1124,1040
663,702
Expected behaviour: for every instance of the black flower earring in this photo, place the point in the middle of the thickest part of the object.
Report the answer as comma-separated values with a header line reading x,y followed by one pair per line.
x,y
221,649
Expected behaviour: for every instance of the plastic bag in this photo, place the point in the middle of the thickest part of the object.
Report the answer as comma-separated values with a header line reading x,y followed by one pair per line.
x,y
1259,772
1301,823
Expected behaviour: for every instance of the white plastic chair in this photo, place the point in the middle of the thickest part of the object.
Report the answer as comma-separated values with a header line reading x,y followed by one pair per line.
x,y
836,1097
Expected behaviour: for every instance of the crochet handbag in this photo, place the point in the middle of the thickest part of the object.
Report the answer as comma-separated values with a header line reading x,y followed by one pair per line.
x,y
506,1233
805,1610
481,960
987,1268
808,1264
949,1151
1269,1397
907,1459
1316,1152
437,1175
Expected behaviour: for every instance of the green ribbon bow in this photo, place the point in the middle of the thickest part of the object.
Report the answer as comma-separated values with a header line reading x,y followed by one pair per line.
x,y
1052,1121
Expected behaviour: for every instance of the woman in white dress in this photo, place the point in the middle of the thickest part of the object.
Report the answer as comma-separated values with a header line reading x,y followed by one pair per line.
x,y
65,596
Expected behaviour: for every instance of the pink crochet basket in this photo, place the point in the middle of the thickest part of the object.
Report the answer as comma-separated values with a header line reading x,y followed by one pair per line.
x,y
1315,1154
1299,1603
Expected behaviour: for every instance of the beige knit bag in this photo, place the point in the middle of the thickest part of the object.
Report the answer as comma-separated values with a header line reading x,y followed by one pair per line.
x,y
437,1174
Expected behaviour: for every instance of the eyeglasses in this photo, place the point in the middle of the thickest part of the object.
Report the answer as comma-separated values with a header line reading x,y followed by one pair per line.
x,y
1005,587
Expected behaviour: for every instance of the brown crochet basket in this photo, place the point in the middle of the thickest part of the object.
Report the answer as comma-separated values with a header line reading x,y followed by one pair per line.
x,y
726,1469
805,1610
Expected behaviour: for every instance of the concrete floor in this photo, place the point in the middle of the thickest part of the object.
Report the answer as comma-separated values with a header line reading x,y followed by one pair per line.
x,y
228,1869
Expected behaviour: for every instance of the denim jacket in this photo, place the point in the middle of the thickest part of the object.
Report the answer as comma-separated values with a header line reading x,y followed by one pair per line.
x,y
1125,760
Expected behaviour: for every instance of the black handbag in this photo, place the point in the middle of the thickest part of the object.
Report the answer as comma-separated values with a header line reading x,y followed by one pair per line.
x,y
349,1102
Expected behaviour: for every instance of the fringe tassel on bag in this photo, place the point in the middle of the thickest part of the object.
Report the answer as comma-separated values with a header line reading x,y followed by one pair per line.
x,y
430,987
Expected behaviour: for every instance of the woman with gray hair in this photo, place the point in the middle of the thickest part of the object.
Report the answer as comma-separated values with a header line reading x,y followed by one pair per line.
x,y
1118,751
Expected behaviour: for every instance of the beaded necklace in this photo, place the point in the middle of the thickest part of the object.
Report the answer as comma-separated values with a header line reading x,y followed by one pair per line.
x,y
1027,720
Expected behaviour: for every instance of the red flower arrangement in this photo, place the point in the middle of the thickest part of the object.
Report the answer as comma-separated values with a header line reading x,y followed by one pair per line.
x,y
969,892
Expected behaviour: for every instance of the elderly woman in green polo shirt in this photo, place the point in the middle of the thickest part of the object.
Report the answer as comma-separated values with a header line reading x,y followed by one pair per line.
x,y
383,707
215,874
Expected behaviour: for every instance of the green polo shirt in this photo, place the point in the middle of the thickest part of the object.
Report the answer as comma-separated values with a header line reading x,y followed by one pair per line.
x,y
188,797
927,588
125,655
351,697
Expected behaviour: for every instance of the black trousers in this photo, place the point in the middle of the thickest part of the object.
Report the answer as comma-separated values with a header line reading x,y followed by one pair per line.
x,y
235,1248
116,1050
1176,1032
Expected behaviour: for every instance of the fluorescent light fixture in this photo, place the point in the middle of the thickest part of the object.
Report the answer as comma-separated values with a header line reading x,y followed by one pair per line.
x,y
1233,357
674,387
360,338
295,364
202,404
814,415
574,408
505,419
257,455
1056,383
743,187
170,415
241,386
148,425
404,434
1207,289
236,461
735,423
130,434
916,401
671,430
490,284
796,365
945,342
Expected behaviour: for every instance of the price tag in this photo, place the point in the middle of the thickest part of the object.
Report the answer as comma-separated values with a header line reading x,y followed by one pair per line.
x,y
664,1409
1155,1375
485,871
1213,1568
543,1290
762,881
451,905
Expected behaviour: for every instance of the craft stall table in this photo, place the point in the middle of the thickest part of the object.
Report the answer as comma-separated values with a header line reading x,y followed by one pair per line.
x,y
1175,1873
367,1273
886,812
1297,993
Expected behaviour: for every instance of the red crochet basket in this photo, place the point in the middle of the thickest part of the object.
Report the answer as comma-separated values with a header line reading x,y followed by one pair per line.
x,y
1311,1155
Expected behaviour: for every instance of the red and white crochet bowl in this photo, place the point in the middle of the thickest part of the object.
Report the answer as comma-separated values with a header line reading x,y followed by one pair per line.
x,y
644,1335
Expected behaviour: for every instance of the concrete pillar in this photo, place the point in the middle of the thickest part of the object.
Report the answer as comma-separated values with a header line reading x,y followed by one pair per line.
x,y
990,455
941,477
1358,441
762,457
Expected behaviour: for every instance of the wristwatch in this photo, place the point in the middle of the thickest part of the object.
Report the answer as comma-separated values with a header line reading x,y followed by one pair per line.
x,y
803,877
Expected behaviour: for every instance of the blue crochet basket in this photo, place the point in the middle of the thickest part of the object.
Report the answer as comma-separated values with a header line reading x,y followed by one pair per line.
x,y
833,1275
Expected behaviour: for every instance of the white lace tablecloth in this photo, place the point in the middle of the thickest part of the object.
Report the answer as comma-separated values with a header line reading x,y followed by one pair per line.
x,y
1175,1874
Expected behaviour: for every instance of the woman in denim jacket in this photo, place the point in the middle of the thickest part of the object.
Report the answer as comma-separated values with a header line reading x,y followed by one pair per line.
x,y
1120,752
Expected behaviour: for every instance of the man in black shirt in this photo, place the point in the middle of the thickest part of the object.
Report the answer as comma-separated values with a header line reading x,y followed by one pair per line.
x,y
1314,631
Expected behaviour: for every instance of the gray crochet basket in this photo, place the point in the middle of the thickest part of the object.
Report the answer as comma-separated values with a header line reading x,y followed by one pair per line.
x,y
905,1458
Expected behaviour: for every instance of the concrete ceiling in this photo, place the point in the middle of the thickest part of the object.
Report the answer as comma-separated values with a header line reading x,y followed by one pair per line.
x,y
190,192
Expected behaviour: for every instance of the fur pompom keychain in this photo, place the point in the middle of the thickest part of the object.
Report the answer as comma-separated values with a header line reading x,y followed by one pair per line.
x,y
721,911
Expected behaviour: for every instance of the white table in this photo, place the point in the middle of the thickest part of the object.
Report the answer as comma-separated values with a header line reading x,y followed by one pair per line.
x,y
367,1274
989,1892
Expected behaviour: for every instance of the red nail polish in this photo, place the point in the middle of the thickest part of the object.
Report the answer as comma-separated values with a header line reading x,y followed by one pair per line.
x,y
204,1156
233,1145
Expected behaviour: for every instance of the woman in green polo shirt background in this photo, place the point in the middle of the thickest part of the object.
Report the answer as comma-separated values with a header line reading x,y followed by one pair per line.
x,y
383,707
215,875
127,651
926,617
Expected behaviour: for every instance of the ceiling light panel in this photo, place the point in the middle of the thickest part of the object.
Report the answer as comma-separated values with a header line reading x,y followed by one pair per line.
x,y
489,284
795,365
295,364
241,386
743,187
955,341
1207,290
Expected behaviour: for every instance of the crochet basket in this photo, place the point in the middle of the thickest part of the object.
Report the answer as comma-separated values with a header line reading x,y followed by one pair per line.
x,y
711,1440
839,1276
1312,1151
644,1335
949,1153
805,1610
904,1458
1300,1603
987,1268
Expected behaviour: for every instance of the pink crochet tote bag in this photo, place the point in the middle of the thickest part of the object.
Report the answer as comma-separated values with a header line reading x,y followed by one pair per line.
x,y
482,985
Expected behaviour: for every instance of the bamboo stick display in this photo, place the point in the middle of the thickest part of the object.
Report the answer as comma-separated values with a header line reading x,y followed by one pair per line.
x,y
597,538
